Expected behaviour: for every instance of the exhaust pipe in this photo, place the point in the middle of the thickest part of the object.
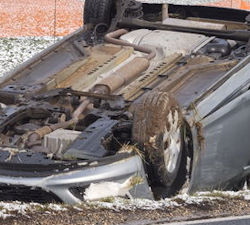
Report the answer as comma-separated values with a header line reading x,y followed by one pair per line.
x,y
129,71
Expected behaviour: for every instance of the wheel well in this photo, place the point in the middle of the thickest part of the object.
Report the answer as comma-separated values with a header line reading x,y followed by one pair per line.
x,y
185,170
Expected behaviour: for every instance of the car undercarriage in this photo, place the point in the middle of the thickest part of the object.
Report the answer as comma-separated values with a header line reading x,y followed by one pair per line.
x,y
159,102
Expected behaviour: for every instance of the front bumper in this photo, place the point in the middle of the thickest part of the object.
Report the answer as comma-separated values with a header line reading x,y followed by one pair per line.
x,y
61,185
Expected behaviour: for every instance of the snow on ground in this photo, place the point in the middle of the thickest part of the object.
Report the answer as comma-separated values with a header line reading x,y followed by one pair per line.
x,y
14,51
118,204
17,208
12,209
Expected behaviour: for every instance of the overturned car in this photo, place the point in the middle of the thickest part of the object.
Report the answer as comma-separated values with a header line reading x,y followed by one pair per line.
x,y
154,96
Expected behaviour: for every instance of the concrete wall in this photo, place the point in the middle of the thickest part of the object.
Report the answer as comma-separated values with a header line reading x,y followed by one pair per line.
x,y
37,17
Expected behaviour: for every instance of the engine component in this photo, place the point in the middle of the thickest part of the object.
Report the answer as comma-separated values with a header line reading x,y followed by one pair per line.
x,y
134,10
88,145
58,141
11,115
217,47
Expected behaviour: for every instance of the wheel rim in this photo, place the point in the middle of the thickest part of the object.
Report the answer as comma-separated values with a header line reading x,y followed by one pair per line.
x,y
172,142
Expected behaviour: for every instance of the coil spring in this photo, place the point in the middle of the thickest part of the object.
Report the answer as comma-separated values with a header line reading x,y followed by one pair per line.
x,y
134,10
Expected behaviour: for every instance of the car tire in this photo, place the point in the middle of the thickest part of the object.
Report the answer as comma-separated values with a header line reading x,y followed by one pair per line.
x,y
158,131
97,11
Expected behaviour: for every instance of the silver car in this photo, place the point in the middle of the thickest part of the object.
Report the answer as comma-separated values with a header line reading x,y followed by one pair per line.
x,y
151,98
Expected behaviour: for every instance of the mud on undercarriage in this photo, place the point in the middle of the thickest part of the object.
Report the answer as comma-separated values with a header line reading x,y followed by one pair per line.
x,y
151,108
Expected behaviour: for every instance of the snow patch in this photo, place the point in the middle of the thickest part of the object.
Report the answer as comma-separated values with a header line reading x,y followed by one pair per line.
x,y
17,208
55,207
244,194
14,51
119,204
